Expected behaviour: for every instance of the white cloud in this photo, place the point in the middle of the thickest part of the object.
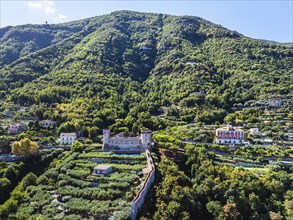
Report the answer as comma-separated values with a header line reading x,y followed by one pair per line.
x,y
50,10
45,6
38,5
60,17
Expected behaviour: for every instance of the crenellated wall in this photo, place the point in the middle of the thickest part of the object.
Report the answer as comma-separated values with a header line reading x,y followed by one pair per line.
x,y
138,201
120,143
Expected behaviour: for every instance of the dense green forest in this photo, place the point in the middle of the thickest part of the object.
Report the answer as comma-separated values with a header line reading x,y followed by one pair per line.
x,y
120,70
205,189
129,70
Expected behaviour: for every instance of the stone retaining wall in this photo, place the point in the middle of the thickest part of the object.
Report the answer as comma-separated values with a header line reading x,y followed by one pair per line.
x,y
138,201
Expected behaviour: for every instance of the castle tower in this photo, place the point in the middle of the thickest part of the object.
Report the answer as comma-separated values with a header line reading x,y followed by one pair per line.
x,y
106,137
146,139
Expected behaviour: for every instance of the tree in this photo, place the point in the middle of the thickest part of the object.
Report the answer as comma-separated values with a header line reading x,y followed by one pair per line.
x,y
11,173
231,211
289,204
215,208
24,146
77,147
31,124
134,129
275,216
5,185
93,132
29,179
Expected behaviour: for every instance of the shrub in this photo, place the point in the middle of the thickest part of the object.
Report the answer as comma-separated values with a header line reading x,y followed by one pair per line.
x,y
62,183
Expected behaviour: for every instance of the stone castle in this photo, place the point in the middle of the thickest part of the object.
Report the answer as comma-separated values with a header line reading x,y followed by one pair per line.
x,y
122,144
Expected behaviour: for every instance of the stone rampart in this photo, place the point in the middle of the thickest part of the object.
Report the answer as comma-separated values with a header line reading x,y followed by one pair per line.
x,y
138,201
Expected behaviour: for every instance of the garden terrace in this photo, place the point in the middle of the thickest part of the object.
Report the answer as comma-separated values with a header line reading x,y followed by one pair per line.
x,y
68,190
111,155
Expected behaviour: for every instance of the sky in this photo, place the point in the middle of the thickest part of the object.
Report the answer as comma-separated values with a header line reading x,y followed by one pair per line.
x,y
270,20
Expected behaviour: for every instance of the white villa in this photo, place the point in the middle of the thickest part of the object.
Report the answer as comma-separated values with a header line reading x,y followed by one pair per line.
x,y
121,144
67,138
275,102
229,135
16,128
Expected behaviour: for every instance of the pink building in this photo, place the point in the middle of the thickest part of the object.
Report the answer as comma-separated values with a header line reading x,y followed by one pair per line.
x,y
16,128
229,135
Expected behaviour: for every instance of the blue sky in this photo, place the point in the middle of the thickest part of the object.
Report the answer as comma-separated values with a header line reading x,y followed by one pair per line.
x,y
270,20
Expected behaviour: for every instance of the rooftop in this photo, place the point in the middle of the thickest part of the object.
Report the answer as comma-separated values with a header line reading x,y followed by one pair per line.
x,y
17,124
102,167
230,128
68,134
47,120
146,131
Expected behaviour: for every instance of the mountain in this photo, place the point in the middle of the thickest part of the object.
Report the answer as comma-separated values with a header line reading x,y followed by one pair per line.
x,y
127,71
123,69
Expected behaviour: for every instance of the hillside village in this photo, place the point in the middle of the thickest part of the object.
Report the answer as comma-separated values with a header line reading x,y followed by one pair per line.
x,y
19,122
104,157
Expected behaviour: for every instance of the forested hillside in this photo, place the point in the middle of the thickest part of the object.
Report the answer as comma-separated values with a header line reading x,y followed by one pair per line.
x,y
120,69
22,40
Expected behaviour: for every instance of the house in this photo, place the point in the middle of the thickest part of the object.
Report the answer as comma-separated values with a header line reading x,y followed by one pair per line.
x,y
146,48
16,128
9,114
289,136
102,170
47,124
67,138
229,135
22,109
262,141
122,144
254,131
275,102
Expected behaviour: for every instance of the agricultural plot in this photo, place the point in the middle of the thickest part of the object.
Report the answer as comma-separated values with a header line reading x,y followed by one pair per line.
x,y
68,190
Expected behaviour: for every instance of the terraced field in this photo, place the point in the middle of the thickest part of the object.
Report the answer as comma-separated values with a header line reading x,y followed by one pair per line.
x,y
68,190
